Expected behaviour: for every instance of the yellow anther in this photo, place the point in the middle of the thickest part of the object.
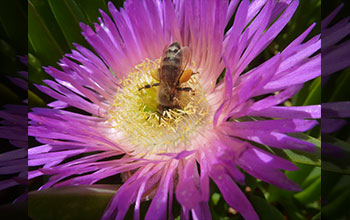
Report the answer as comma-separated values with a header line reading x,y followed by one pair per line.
x,y
212,84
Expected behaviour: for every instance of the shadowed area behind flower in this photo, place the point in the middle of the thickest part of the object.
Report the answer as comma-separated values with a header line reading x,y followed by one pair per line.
x,y
13,154
335,114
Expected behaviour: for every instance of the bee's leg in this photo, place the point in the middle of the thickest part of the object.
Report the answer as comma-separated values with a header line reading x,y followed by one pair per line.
x,y
160,112
186,89
160,116
149,86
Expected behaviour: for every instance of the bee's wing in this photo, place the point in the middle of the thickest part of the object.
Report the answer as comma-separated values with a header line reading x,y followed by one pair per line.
x,y
162,58
186,57
164,53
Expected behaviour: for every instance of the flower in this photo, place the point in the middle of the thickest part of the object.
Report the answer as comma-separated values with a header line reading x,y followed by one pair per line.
x,y
207,137
13,158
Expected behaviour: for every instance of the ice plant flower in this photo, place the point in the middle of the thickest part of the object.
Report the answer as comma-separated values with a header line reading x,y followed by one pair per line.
x,y
13,158
207,137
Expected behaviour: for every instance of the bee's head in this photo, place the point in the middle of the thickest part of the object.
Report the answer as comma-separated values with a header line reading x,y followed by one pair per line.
x,y
175,45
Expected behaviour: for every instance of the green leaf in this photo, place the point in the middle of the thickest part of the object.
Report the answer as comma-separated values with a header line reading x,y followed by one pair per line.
x,y
293,211
314,95
310,94
13,21
317,216
305,157
338,206
10,64
44,45
90,9
44,11
310,194
215,198
37,74
34,100
339,161
264,209
314,174
8,96
71,202
341,90
68,16
302,174
338,187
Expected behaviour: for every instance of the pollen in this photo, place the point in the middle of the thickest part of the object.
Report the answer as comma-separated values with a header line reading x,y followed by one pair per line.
x,y
141,129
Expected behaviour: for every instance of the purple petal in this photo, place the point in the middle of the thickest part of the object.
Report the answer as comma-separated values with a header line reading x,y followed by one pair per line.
x,y
331,125
266,167
326,21
232,194
157,209
201,212
188,188
336,109
282,125
312,111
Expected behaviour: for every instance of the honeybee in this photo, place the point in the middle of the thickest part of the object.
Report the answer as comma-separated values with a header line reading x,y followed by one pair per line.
x,y
170,75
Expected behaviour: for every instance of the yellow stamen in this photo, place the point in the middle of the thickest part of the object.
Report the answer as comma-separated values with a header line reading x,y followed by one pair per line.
x,y
134,113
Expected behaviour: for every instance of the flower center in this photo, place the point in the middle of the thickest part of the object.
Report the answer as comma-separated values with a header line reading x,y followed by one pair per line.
x,y
141,127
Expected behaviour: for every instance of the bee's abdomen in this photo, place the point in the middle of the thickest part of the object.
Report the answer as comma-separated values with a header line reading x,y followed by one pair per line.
x,y
170,73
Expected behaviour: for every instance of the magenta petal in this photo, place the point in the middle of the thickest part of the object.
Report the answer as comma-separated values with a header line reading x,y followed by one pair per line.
x,y
201,212
266,167
271,138
119,204
336,110
157,209
231,8
232,194
281,125
4,184
325,22
313,111
331,125
178,156
58,105
204,177
188,188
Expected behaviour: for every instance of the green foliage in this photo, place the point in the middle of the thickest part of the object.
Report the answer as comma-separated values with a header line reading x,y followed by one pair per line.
x,y
41,39
265,210
336,162
303,157
73,202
